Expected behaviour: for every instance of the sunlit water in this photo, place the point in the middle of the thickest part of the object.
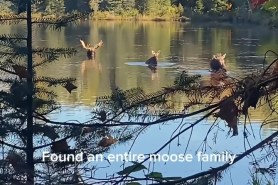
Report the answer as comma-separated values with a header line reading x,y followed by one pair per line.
x,y
120,63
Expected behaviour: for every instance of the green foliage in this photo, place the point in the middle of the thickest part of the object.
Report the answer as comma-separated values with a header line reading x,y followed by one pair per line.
x,y
200,6
151,9
155,175
133,183
271,8
210,6
186,81
133,168
141,6
124,8
94,5
54,7
217,6
6,6
160,8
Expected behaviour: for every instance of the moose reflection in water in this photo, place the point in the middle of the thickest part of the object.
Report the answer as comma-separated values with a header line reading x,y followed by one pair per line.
x,y
223,86
91,64
218,76
154,72
91,50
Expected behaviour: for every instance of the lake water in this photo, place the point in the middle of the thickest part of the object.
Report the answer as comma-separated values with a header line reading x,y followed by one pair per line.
x,y
120,63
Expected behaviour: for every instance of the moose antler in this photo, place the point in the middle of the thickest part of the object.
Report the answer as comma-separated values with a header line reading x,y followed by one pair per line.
x,y
156,53
98,45
83,44
87,46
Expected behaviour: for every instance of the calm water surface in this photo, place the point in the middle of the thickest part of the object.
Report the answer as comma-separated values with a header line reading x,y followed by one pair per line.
x,y
119,64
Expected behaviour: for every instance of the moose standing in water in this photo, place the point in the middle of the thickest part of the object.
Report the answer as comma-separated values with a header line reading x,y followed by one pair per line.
x,y
152,63
217,63
154,59
91,50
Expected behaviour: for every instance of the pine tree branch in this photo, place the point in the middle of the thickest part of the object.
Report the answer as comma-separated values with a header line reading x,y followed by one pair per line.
x,y
12,38
57,23
12,19
225,166
54,52
42,52
12,146
7,53
168,142
49,59
105,124
53,81
7,71
49,144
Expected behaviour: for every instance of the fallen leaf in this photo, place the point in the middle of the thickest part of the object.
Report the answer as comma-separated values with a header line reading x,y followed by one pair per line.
x,y
132,168
16,161
69,86
133,183
154,175
229,113
86,130
19,89
20,71
251,98
50,133
102,115
275,68
60,146
107,141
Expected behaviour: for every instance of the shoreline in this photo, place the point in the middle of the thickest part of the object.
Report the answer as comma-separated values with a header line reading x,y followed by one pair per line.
x,y
187,20
228,20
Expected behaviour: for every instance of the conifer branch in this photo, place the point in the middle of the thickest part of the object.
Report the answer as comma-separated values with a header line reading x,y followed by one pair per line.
x,y
12,19
57,23
7,38
54,52
12,146
47,60
223,167
7,71
53,81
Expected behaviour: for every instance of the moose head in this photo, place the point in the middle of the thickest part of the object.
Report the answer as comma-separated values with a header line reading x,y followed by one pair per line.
x,y
91,49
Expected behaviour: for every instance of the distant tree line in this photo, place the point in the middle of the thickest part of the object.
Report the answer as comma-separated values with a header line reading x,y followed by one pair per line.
x,y
144,7
263,11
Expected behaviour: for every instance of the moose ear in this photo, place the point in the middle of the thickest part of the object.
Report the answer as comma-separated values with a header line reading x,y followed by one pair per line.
x,y
153,52
158,52
224,55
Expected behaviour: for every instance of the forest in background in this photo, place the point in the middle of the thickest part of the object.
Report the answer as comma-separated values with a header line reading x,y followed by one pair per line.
x,y
251,11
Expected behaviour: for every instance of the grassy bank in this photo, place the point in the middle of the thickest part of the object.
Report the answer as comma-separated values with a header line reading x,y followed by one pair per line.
x,y
108,16
229,18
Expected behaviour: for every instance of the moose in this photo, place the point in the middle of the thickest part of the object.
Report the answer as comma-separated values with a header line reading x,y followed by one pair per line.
x,y
217,63
154,59
91,50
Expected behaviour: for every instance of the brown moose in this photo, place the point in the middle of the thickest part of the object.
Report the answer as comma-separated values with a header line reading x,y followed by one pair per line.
x,y
91,50
154,59
217,63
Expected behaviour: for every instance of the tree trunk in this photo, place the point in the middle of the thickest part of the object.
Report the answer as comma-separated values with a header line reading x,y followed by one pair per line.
x,y
30,149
